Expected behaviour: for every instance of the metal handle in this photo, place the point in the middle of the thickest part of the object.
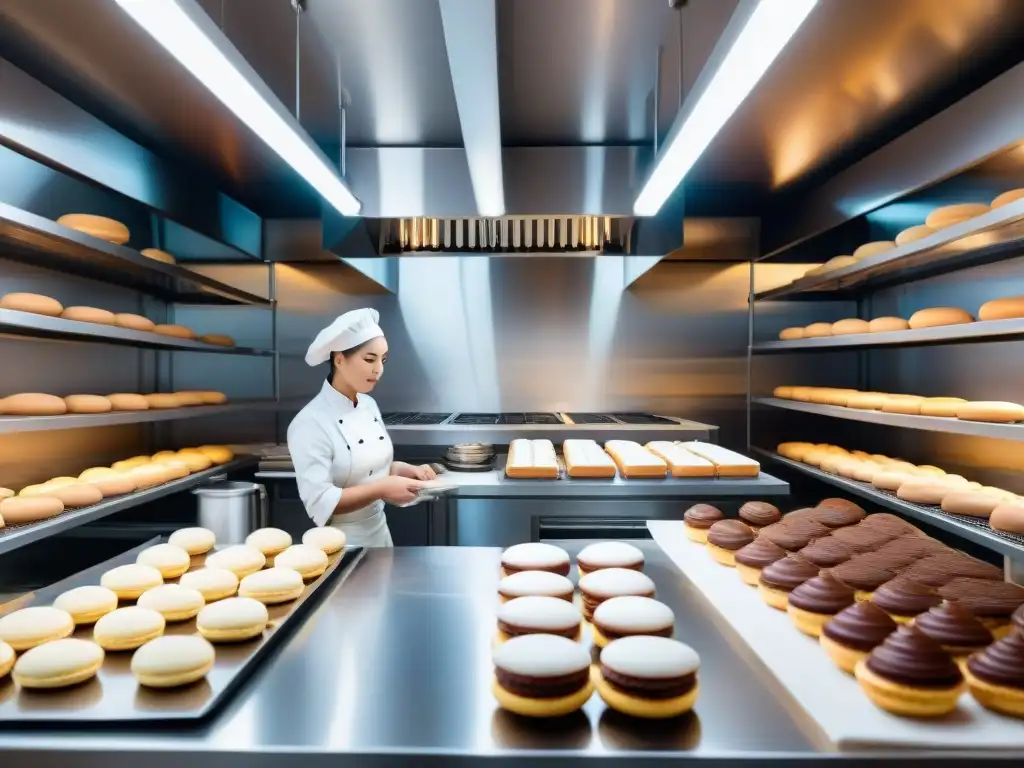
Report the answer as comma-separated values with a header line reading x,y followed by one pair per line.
x,y
262,506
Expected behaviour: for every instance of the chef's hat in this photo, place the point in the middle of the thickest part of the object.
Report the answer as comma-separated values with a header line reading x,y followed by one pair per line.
x,y
348,331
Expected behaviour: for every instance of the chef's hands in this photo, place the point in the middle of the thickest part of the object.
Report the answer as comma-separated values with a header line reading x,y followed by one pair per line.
x,y
421,472
399,490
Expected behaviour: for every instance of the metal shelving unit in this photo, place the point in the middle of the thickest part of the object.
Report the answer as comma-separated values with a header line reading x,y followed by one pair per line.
x,y
16,536
28,325
927,423
41,242
972,529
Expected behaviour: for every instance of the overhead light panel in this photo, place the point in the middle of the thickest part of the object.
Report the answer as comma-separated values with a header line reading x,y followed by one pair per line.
x,y
188,34
757,33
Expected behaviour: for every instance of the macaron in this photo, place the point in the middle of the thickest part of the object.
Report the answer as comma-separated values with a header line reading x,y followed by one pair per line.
x,y
211,583
195,541
609,554
7,656
538,615
127,628
269,541
607,583
173,601
130,581
648,677
540,583
272,586
58,664
169,559
631,615
541,676
28,627
329,539
240,559
172,661
87,604
232,620
310,562
535,556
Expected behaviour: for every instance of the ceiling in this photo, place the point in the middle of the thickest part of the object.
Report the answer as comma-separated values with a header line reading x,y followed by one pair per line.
x,y
570,72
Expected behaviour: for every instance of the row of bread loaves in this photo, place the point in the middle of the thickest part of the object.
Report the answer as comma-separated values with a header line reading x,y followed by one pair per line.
x,y
992,411
39,404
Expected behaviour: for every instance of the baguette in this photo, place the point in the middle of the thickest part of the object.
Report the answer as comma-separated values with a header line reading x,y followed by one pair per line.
x,y
727,463
585,458
534,459
681,462
633,460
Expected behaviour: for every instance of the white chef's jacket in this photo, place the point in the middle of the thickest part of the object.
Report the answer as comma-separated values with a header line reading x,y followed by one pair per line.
x,y
335,445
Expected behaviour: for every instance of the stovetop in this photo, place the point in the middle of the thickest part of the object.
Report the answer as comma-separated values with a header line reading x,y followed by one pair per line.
x,y
425,419
527,418
506,418
591,418
641,418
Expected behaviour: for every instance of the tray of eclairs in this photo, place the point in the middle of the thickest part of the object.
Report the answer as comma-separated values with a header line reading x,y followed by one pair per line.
x,y
166,632
884,635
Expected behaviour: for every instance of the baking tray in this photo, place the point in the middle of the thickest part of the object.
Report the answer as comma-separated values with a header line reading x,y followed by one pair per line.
x,y
113,697
831,698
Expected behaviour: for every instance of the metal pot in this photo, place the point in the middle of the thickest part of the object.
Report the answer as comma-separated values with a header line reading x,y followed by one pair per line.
x,y
232,509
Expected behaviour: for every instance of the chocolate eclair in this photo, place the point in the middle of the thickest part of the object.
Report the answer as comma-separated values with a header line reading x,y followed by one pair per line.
x,y
827,552
727,536
995,676
793,535
863,575
889,523
955,628
993,602
862,539
903,599
754,557
698,518
839,513
816,601
910,674
854,632
758,514
782,577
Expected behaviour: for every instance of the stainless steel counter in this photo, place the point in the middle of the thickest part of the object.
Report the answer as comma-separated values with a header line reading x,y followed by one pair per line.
x,y
503,434
394,668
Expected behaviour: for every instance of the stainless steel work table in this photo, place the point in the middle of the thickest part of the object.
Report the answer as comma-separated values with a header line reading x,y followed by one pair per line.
x,y
394,668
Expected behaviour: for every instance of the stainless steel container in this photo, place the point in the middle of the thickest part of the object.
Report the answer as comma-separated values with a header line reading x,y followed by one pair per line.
x,y
232,509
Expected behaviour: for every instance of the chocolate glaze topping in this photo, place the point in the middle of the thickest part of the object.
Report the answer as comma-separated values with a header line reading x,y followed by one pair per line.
x,y
1018,615
1002,663
759,553
953,626
610,635
822,594
730,534
562,569
792,535
985,598
907,550
515,631
759,513
807,513
650,688
702,515
827,552
862,539
910,657
903,597
862,575
890,561
938,570
542,687
836,513
862,626
887,523
788,573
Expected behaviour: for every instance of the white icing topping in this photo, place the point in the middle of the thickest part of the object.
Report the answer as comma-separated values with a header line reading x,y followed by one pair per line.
x,y
163,555
612,582
172,653
209,579
171,597
544,613
58,658
239,556
534,555
610,554
301,557
535,583
541,656
131,576
269,540
33,622
326,538
633,614
129,621
270,580
233,613
650,657
85,599
193,538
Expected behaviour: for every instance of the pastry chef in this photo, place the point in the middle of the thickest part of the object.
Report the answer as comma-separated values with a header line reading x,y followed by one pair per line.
x,y
343,457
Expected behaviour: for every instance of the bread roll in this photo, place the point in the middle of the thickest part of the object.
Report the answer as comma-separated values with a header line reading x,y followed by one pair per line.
x,y
803,394
76,496
19,510
817,330
88,315
849,468
95,473
1008,518
991,411
33,404
128,402
866,401
197,461
903,467
913,234
163,455
832,463
176,468
87,404
163,401
219,454
1007,197
213,398
868,250
133,322
999,493
818,394
149,475
937,316
839,397
633,460
189,398
850,326
217,339
970,503
941,406
111,230
790,334
866,471
838,262
794,450
727,463
887,324
177,331
116,485
905,404
1002,309
815,456
157,255
129,464
889,481
681,462
815,271
948,215
32,302
6,493
922,491
928,470
785,393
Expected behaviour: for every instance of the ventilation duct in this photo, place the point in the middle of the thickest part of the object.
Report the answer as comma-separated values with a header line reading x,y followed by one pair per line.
x,y
509,234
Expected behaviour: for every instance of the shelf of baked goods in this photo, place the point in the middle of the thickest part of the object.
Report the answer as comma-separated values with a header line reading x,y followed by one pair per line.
x,y
62,503
990,517
951,238
35,412
93,247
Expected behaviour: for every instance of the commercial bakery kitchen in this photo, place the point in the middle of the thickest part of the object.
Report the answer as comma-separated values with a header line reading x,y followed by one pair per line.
x,y
447,381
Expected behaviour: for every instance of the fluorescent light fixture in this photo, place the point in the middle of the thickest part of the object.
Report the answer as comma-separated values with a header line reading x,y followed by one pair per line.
x,y
188,34
765,26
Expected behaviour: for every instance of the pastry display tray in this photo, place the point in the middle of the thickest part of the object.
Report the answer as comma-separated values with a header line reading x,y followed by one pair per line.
x,y
114,698
832,699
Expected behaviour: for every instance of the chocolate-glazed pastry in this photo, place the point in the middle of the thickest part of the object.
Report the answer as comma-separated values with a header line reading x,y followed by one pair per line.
x,y
955,628
991,601
862,539
755,556
889,561
806,513
907,550
904,599
938,570
1017,618
995,675
727,536
794,535
853,632
838,513
827,552
816,601
891,524
863,576
782,577
698,518
758,514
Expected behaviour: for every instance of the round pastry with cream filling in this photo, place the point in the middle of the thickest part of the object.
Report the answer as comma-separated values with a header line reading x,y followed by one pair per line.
x,y
58,664
838,513
955,628
35,625
939,569
756,556
887,523
993,602
631,615
535,556
698,519
212,583
609,554
541,676
535,583
854,632
648,677
864,574
827,552
538,615
816,601
758,514
780,578
726,537
607,583
794,533
861,539
995,676
240,559
903,599
172,661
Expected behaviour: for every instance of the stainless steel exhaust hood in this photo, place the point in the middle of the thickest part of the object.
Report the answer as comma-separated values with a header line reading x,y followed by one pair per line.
x,y
522,235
